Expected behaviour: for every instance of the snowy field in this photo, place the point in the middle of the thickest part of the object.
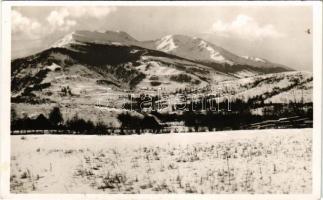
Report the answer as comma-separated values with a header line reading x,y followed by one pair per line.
x,y
261,161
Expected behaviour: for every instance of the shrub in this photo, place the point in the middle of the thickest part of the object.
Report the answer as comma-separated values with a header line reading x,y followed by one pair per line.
x,y
66,91
55,116
80,125
181,78
154,78
100,128
196,82
155,83
136,80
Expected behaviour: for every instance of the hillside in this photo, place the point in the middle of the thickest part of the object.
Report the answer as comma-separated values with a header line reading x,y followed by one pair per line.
x,y
90,67
282,87
201,50
94,75
192,48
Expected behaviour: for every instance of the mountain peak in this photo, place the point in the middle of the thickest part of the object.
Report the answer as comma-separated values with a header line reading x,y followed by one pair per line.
x,y
198,49
84,36
67,39
192,48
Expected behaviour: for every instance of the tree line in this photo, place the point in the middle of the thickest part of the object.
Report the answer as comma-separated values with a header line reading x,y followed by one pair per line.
x,y
55,123
134,122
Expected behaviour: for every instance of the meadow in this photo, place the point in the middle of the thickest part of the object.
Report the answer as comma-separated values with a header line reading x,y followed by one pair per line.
x,y
249,161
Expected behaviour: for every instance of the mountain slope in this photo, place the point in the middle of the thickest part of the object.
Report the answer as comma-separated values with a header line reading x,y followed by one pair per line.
x,y
284,87
117,61
91,66
212,55
192,48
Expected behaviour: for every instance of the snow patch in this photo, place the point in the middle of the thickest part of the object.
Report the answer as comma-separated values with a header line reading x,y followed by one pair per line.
x,y
214,55
53,66
245,73
253,59
166,44
134,51
65,40
116,43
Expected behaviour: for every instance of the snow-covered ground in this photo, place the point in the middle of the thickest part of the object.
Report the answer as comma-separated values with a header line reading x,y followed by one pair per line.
x,y
261,161
293,86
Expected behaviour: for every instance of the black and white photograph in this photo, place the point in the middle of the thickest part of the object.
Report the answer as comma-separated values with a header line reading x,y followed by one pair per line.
x,y
155,99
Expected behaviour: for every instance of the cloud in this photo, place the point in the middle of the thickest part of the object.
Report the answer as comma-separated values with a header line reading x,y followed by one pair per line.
x,y
62,20
92,11
245,27
58,20
24,25
65,18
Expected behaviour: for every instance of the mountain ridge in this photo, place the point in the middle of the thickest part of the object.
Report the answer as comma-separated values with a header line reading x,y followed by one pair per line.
x,y
192,48
114,59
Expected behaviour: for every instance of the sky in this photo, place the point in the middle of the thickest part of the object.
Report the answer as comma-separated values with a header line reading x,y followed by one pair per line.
x,y
276,33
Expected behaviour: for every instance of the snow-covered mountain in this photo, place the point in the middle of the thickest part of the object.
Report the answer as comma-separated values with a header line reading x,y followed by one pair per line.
x,y
117,60
97,66
107,37
201,50
192,48
94,73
